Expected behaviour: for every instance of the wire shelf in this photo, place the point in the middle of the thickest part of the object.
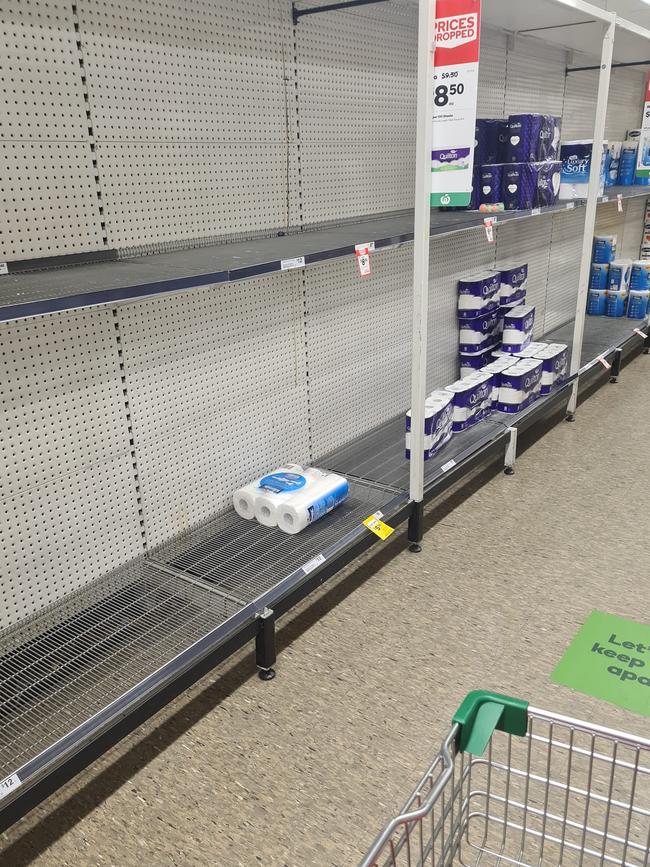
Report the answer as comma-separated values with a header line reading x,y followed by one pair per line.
x,y
243,559
71,660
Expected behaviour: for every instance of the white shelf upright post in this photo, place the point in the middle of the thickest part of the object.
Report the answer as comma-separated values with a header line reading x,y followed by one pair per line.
x,y
592,203
423,144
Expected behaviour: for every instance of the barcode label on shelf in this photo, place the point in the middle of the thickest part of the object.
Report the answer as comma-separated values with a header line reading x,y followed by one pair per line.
x,y
619,202
489,222
640,333
365,248
287,264
363,261
448,466
535,212
313,563
9,784
4,268
605,199
377,526
570,206
604,362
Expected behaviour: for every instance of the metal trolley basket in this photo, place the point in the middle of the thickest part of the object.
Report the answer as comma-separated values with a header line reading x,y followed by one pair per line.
x,y
550,790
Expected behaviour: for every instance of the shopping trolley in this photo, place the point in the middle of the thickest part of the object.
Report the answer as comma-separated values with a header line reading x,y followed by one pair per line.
x,y
514,784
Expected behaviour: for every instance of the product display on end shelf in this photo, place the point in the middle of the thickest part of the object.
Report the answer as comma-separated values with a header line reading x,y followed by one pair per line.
x,y
618,287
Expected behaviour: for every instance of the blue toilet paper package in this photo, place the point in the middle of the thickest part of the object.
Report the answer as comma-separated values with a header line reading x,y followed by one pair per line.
x,y
511,181
627,163
518,325
548,147
555,361
597,302
576,158
496,368
475,199
523,137
438,411
478,294
472,362
616,302
599,276
547,177
491,136
612,161
514,278
472,400
521,385
490,184
479,333
604,249
637,305
640,276
619,274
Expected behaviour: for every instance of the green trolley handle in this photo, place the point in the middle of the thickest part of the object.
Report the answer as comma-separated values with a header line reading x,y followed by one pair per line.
x,y
481,713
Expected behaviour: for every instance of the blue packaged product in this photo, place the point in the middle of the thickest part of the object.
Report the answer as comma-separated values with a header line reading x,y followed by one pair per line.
x,y
627,163
514,278
612,162
640,182
597,302
576,158
518,325
546,176
527,187
511,180
472,362
472,400
479,333
491,134
438,412
555,360
521,384
549,138
490,185
604,249
475,200
495,368
616,302
637,305
640,276
598,276
478,294
523,137
619,274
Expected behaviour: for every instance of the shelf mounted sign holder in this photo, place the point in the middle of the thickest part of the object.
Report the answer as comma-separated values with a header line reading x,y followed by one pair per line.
x,y
329,7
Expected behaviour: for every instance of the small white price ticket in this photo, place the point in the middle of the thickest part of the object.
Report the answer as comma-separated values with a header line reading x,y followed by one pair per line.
x,y
287,264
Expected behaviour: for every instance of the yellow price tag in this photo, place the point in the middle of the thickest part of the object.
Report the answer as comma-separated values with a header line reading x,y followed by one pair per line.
x,y
377,526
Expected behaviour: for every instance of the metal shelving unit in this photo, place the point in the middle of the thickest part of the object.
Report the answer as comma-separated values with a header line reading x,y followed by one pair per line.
x,y
79,673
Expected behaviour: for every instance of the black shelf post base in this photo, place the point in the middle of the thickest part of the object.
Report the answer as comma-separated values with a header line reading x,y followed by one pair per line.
x,y
646,344
415,529
616,366
265,654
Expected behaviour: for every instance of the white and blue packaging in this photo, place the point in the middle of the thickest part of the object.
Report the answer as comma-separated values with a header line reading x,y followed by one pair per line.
x,y
627,161
518,325
495,368
619,275
308,506
478,294
521,384
640,276
472,400
638,302
479,333
576,157
604,249
597,302
438,411
616,303
598,276
555,360
531,350
471,362
612,162
244,499
514,279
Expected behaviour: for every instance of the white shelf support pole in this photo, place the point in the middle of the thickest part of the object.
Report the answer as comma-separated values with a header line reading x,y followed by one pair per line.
x,y
592,203
424,138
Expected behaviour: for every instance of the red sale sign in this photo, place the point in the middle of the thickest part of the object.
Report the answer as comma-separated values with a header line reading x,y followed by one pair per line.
x,y
643,155
455,85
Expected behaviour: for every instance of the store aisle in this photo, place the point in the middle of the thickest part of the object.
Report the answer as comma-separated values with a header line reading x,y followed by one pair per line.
x,y
304,770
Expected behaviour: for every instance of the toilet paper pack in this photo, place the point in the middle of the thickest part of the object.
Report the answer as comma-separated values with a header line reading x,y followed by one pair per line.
x,y
244,499
640,275
619,275
495,369
479,333
311,504
531,351
438,411
512,179
514,277
638,302
520,385
490,184
555,361
576,158
478,294
604,249
597,302
518,325
490,139
616,303
471,362
472,400
598,276
546,178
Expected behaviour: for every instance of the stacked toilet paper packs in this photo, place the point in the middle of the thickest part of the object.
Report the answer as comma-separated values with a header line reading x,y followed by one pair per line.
x,y
291,497
520,384
437,423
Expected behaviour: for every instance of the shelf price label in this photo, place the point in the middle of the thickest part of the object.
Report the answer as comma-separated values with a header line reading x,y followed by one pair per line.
x,y
4,269
604,362
489,222
9,784
619,202
455,70
362,252
377,526
643,154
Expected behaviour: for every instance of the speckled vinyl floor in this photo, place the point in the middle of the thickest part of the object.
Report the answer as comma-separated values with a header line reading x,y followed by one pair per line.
x,y
304,770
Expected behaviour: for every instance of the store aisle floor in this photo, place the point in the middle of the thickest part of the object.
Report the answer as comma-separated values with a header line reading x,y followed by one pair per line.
x,y
306,769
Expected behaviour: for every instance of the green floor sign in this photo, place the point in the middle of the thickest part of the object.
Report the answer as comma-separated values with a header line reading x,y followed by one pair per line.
x,y
610,659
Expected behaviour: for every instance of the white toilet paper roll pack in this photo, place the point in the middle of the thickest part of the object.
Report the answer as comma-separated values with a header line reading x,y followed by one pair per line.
x,y
243,499
309,506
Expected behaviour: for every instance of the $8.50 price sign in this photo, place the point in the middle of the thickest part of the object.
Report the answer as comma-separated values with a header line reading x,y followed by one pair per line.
x,y
455,84
643,154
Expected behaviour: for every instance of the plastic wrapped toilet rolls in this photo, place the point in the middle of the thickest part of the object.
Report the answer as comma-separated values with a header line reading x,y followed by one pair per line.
x,y
518,326
244,498
307,507
520,385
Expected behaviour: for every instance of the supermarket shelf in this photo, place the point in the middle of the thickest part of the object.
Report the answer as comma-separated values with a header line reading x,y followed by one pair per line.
x,y
41,292
80,674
